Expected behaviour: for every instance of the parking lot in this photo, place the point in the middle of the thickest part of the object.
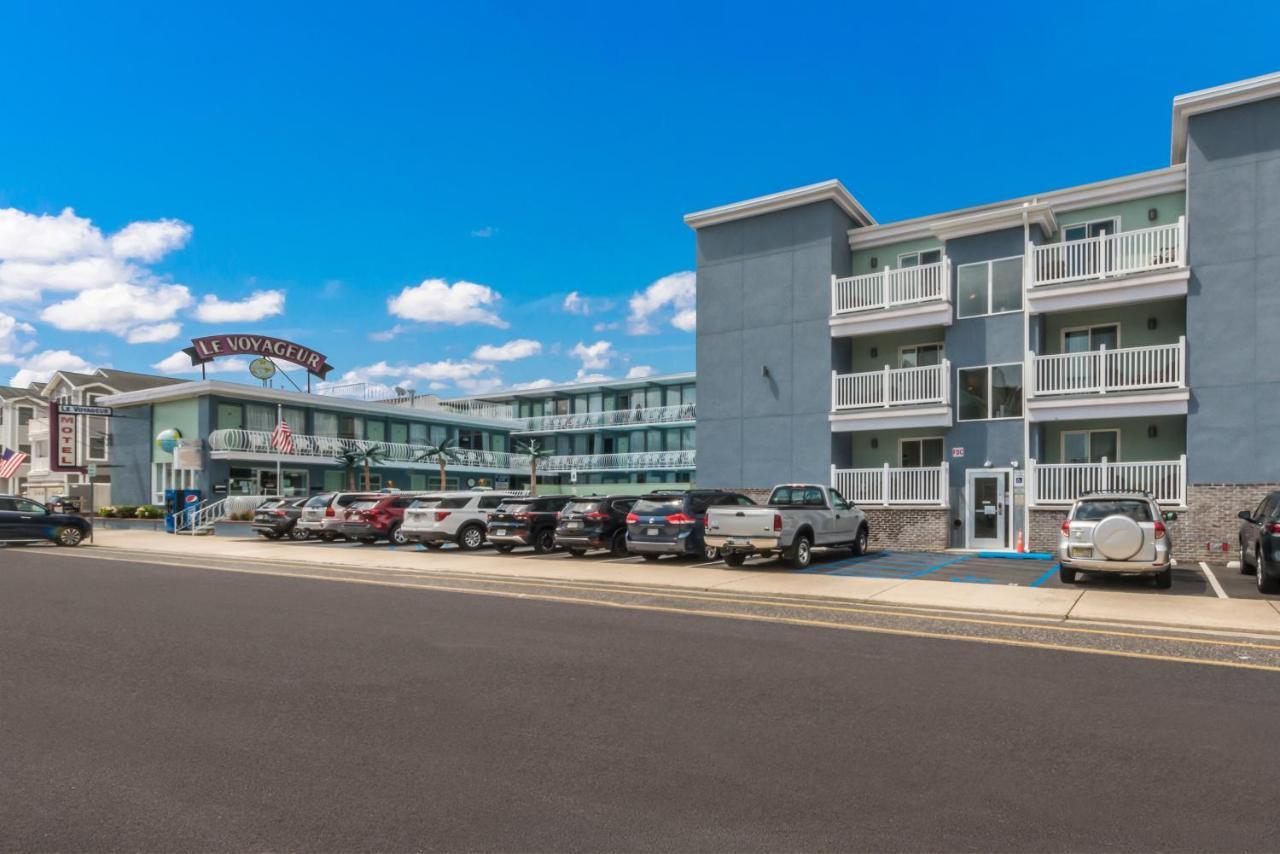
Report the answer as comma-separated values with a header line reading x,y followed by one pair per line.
x,y
1190,578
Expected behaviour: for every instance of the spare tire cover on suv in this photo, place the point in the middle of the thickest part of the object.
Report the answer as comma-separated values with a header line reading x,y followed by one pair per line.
x,y
1117,537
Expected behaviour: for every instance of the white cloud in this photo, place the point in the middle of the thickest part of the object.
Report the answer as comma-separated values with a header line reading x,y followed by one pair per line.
x,y
150,241
388,334
25,280
12,344
520,348
676,293
117,308
542,383
481,385
42,237
153,333
180,363
484,232
593,356
586,377
39,367
436,301
605,327
259,305
447,370
640,371
575,304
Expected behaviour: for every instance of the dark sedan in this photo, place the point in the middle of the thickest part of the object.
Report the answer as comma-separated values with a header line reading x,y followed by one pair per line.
x,y
1260,543
25,521
671,523
279,518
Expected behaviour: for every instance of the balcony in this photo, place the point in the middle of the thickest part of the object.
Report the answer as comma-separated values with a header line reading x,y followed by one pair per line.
x,y
890,487
1062,483
1127,382
256,445
1110,269
897,397
906,298
669,416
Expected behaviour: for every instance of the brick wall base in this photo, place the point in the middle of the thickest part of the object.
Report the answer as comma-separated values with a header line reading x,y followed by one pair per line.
x,y
909,529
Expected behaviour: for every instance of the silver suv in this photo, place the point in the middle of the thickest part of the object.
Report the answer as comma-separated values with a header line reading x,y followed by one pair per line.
x,y
1116,532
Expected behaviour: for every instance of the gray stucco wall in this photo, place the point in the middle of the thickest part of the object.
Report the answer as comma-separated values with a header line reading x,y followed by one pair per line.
x,y
764,300
1233,301
131,456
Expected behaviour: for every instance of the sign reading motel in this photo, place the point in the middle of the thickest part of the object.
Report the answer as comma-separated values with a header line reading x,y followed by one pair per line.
x,y
205,350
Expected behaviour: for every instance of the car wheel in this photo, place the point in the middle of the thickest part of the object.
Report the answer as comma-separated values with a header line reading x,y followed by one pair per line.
x,y
619,544
650,557
266,535
710,553
801,552
1267,582
544,541
68,536
577,552
397,538
299,534
1164,578
504,550
1066,576
860,543
734,559
471,538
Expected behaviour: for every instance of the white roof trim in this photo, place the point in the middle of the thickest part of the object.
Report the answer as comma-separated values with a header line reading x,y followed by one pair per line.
x,y
1168,179
1001,218
831,190
1216,98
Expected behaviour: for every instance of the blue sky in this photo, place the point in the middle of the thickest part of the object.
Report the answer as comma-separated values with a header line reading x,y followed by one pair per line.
x,y
329,173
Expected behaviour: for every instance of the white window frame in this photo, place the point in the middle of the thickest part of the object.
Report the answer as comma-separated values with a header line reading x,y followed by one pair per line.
x,y
904,441
1021,368
918,253
1062,336
90,422
990,265
1088,434
1115,220
905,347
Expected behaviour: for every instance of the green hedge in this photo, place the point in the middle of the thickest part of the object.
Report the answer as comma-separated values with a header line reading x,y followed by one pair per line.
x,y
150,511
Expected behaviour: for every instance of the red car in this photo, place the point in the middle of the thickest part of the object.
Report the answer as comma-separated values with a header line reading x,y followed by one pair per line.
x,y
376,518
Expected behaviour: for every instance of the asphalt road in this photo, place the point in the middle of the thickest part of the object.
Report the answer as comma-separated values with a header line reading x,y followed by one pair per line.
x,y
148,707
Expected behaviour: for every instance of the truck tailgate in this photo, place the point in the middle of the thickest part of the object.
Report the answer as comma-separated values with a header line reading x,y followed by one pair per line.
x,y
743,522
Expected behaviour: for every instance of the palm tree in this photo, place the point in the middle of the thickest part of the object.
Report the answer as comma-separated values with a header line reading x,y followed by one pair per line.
x,y
535,452
445,452
371,455
350,462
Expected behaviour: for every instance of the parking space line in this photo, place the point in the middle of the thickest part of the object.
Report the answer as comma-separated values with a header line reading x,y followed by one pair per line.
x,y
1048,573
1213,581
945,563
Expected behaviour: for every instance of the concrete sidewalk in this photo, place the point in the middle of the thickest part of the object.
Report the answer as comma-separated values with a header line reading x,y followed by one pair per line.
x,y
1073,606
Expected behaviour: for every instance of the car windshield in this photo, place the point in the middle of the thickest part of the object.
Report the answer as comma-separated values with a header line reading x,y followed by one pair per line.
x,y
513,506
583,507
657,507
797,496
1094,511
424,504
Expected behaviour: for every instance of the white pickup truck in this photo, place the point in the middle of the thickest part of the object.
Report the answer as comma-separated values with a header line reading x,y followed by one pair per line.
x,y
797,517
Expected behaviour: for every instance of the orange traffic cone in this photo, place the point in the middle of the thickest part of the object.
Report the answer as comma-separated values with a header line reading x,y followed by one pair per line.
x,y
1020,548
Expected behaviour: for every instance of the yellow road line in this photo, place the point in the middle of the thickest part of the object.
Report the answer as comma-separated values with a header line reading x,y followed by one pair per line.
x,y
758,602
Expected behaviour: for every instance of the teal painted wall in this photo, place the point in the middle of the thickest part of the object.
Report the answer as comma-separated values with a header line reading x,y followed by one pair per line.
x,y
887,255
886,345
1170,315
1169,444
184,415
1133,214
864,456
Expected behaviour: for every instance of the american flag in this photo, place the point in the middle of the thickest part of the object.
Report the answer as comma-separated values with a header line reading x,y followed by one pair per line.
x,y
282,438
10,462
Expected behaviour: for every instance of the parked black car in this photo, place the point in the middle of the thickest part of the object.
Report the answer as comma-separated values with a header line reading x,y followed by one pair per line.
x,y
526,522
1260,543
594,523
25,521
279,518
671,523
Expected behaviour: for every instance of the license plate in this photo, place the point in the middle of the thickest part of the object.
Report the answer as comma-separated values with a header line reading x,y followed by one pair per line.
x,y
1081,551
499,532
573,525
651,532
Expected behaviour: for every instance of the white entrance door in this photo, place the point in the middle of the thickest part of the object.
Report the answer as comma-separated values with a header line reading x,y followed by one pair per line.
x,y
987,511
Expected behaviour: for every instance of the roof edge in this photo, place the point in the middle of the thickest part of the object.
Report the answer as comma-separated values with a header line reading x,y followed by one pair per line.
x,y
1216,98
831,190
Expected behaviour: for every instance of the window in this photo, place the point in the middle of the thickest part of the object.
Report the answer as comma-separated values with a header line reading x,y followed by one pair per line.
x,y
326,424
990,391
919,355
1090,446
1088,338
919,259
296,419
24,415
417,433
1093,228
258,416
350,427
920,453
230,416
1097,510
375,431
989,287
471,439
838,502
653,397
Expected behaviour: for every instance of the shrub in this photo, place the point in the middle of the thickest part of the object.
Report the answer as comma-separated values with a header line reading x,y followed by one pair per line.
x,y
126,511
150,511
243,516
107,512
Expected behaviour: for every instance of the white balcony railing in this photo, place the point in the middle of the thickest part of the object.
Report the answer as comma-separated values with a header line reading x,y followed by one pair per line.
x,y
887,486
891,288
1144,250
324,449
891,387
1109,371
1062,483
609,418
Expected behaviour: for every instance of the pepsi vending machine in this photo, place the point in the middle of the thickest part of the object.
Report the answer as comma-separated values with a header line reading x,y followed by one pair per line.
x,y
178,505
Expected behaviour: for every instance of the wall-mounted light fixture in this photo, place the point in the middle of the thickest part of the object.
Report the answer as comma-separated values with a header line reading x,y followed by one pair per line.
x,y
875,262
1152,323
764,371
1152,431
1152,213
875,443
986,464
874,352
1013,464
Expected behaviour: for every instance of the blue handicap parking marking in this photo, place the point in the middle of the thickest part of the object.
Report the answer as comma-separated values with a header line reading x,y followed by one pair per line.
x,y
973,579
964,568
1048,573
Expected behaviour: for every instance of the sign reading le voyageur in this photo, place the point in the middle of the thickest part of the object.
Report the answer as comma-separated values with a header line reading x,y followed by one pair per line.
x,y
203,350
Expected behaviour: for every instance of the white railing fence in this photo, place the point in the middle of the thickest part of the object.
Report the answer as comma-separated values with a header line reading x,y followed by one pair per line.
x,y
208,513
891,288
891,387
1103,371
1139,251
639,461
888,486
1063,483
610,418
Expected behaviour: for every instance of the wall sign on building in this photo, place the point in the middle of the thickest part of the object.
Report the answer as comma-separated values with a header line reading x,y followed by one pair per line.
x,y
64,434
205,350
